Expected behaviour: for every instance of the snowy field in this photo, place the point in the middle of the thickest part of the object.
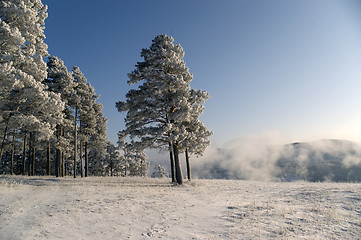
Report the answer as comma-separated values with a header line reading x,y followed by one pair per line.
x,y
143,208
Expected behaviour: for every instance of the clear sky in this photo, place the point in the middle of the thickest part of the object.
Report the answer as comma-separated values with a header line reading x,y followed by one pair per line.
x,y
284,67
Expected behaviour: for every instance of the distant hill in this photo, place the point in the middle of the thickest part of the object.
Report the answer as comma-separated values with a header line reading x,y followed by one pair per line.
x,y
323,160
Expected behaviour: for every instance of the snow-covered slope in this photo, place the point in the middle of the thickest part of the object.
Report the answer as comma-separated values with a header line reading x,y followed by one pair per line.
x,y
143,208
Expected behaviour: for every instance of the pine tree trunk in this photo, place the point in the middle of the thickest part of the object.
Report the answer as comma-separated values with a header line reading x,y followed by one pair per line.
x,y
65,168
4,163
3,143
178,168
61,159
86,160
188,165
111,168
75,138
57,153
57,162
30,152
172,162
81,159
24,154
48,169
12,155
62,165
33,158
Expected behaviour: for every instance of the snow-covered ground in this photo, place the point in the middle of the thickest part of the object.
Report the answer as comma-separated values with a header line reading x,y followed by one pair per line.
x,y
143,208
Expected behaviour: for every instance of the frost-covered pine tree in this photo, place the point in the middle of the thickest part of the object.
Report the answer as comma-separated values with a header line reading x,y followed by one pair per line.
x,y
88,122
134,159
87,115
61,81
28,107
139,166
78,78
11,39
195,137
113,160
159,172
10,50
98,142
125,158
163,107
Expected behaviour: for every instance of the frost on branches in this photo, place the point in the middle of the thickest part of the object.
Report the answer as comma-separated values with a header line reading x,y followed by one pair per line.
x,y
159,172
133,161
163,112
27,109
91,131
44,109
61,81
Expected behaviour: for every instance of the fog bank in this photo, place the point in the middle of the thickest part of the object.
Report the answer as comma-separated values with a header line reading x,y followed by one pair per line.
x,y
255,159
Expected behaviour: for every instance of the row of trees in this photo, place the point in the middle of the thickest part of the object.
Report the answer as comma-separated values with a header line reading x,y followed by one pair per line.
x,y
50,120
44,109
163,112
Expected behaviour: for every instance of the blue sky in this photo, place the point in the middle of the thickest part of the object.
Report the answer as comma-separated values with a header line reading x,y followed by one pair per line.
x,y
283,67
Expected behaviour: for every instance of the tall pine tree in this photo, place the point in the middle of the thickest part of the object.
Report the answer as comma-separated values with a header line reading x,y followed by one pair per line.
x,y
161,111
61,81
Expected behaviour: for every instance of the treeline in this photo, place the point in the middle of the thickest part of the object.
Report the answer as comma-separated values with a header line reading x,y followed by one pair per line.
x,y
78,127
50,120
47,114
